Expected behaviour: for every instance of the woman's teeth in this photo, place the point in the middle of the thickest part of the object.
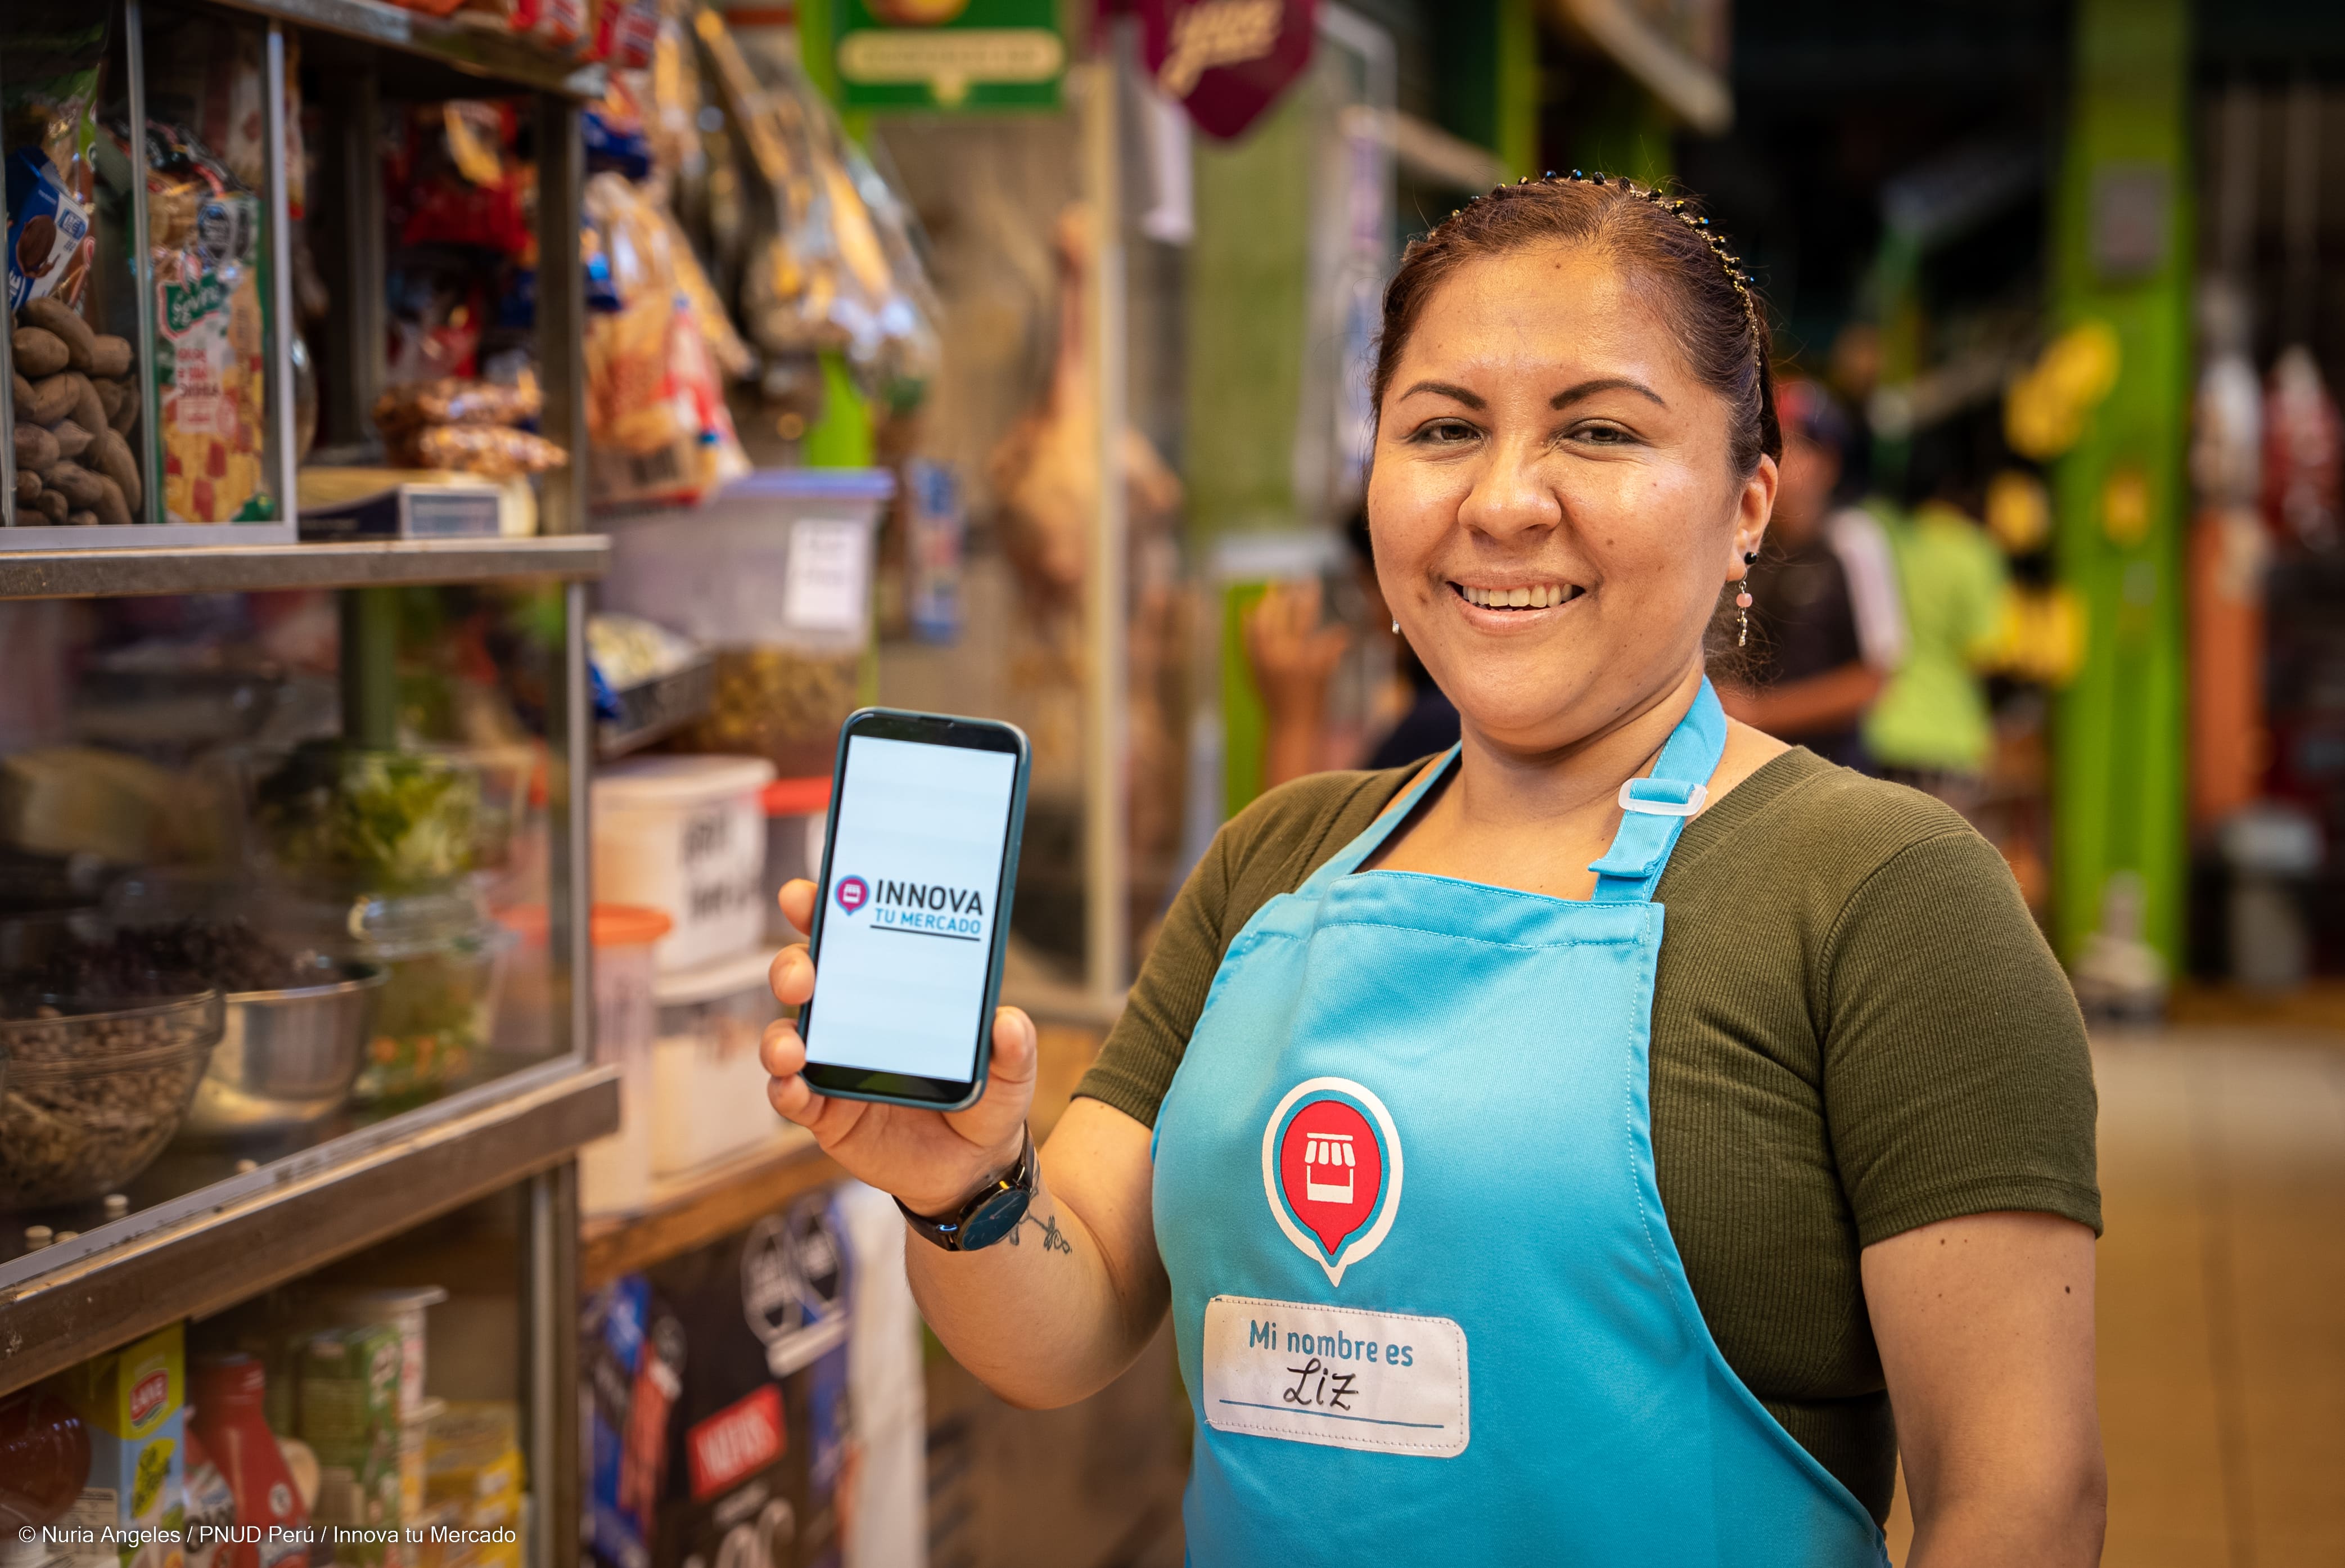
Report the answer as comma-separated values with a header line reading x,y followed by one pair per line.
x,y
1534,597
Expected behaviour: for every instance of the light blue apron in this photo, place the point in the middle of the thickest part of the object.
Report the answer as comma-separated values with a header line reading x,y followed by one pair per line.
x,y
1428,1306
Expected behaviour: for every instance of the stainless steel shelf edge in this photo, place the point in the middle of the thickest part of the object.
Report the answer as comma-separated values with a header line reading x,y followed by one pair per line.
x,y
291,1218
234,568
476,51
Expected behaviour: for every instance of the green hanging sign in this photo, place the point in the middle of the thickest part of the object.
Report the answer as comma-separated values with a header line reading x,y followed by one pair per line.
x,y
950,54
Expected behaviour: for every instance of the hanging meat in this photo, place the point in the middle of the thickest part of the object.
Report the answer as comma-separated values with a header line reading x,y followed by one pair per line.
x,y
2303,443
1046,471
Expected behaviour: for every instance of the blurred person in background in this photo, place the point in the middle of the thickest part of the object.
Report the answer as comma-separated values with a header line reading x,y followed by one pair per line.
x,y
1827,628
1293,658
1932,727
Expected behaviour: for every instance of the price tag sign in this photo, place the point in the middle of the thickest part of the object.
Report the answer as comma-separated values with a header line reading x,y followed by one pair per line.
x,y
825,582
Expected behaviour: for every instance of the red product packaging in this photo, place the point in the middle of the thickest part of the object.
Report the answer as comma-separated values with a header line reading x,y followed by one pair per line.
x,y
229,1422
634,30
734,1443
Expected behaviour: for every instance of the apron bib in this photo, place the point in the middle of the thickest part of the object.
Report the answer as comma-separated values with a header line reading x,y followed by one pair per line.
x,y
1426,1303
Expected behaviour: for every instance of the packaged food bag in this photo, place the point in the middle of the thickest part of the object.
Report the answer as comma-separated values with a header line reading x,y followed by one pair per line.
x,y
48,96
210,378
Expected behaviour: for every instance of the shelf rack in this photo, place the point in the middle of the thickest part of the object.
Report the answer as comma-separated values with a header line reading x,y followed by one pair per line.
x,y
217,1242
497,61
252,568
229,1241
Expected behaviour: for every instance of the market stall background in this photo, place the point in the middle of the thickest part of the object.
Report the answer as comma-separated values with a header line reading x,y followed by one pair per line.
x,y
1005,358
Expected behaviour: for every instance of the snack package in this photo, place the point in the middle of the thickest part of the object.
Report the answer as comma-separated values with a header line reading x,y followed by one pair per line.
x,y
634,31
457,400
48,98
558,25
203,227
654,404
462,179
211,76
838,269
491,450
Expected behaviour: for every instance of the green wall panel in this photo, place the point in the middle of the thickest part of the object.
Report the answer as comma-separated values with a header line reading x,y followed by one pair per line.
x,y
2121,257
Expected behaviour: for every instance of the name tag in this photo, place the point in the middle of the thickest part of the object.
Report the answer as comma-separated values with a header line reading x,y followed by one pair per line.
x,y
1342,1376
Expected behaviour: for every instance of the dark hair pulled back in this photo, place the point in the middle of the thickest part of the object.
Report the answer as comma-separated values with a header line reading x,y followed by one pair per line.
x,y
1708,301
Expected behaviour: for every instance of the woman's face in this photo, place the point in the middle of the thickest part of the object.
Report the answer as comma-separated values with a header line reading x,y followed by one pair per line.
x,y
1543,439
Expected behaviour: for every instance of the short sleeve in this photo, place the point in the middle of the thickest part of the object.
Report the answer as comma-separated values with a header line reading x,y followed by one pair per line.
x,y
1136,1062
1956,1075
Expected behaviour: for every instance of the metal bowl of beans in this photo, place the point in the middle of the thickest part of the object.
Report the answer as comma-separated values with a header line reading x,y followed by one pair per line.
x,y
94,1093
288,1057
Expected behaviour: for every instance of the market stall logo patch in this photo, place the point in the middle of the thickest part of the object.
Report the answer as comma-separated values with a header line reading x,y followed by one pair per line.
x,y
1331,1168
852,893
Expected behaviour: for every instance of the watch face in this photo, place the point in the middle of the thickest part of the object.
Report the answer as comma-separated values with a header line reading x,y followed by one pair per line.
x,y
994,1218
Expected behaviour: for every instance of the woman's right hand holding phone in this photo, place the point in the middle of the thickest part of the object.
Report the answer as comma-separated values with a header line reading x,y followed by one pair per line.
x,y
931,1160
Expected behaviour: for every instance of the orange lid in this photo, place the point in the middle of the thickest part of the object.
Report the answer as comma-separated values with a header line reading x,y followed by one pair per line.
x,y
527,921
628,926
797,797
614,925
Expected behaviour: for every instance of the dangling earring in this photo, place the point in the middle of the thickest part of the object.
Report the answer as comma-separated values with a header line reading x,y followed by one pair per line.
x,y
1396,628
1743,601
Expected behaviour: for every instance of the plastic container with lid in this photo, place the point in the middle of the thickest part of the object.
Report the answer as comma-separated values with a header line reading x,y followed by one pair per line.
x,y
437,1011
709,1096
774,574
797,816
615,1173
686,836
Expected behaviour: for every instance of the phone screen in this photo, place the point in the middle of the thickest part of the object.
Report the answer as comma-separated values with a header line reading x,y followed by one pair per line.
x,y
911,909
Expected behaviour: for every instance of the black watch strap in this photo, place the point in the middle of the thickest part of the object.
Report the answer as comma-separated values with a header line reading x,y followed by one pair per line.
x,y
991,1213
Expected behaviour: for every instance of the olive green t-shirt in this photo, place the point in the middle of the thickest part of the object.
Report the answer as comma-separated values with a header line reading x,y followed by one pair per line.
x,y
1857,1030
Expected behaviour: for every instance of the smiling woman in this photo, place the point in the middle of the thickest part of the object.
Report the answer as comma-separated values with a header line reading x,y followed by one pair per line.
x,y
1687,1236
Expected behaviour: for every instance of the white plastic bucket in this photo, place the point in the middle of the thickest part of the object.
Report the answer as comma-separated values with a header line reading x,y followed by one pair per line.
x,y
709,1102
615,1173
686,836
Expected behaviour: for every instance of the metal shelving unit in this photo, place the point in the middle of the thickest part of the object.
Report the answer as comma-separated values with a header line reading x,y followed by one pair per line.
x,y
123,573
238,1236
207,1244
498,61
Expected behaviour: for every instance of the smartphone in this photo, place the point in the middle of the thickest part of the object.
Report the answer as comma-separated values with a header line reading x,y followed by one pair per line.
x,y
912,916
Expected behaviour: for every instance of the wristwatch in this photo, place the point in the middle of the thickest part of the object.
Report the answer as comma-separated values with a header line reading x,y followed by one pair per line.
x,y
991,1214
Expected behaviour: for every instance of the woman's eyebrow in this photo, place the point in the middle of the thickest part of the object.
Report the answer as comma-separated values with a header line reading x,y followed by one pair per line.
x,y
1603,384
1445,389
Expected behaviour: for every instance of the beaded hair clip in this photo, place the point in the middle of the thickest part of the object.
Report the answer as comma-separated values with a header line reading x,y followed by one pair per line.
x,y
1731,263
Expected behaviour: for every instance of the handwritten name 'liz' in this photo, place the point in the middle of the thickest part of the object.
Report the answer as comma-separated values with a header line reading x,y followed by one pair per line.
x,y
1320,1386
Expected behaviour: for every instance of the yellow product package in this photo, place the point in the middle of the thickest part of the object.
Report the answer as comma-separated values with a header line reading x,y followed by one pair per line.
x,y
133,1402
209,376
473,1468
211,329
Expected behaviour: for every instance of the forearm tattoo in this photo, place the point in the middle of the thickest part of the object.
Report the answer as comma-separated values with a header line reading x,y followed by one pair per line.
x,y
1053,1239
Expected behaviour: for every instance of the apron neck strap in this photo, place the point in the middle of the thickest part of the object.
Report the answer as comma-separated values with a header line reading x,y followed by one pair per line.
x,y
1347,860
1654,808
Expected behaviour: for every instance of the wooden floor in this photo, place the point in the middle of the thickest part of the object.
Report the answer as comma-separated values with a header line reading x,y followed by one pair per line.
x,y
2222,1298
